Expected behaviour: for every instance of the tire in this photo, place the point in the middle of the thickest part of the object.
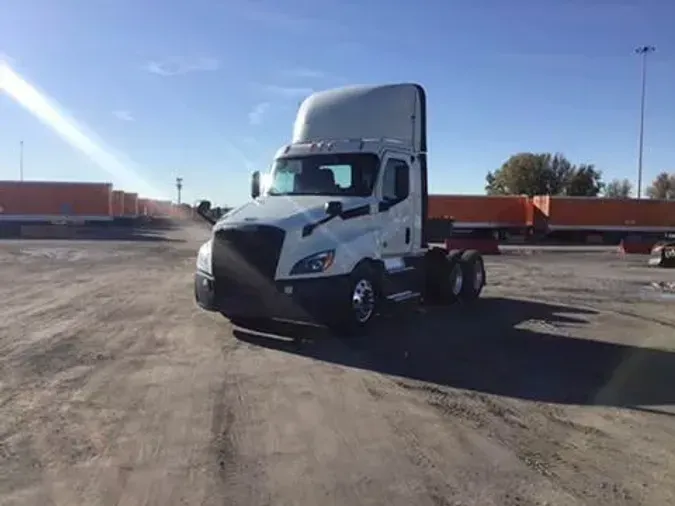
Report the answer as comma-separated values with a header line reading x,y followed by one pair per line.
x,y
453,278
473,269
454,254
355,316
444,277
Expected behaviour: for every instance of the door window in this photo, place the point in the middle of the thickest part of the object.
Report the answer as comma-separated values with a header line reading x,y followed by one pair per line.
x,y
396,181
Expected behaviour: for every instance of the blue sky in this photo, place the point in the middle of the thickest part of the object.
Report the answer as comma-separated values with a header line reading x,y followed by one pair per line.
x,y
207,89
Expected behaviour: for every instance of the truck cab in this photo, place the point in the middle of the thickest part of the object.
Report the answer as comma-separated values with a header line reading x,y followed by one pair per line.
x,y
335,231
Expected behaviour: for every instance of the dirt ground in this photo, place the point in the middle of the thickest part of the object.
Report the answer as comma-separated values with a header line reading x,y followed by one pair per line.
x,y
557,388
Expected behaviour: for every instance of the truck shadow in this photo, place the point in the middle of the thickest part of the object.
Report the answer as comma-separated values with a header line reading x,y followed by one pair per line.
x,y
501,346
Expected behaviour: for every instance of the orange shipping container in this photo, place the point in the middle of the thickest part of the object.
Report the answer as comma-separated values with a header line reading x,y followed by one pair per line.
x,y
592,213
481,211
143,207
181,211
130,204
160,208
44,199
117,203
151,207
177,211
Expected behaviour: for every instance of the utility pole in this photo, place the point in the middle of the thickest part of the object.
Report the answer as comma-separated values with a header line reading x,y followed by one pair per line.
x,y
643,51
21,161
179,187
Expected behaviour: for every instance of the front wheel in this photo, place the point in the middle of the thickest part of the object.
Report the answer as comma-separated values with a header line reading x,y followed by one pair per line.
x,y
361,304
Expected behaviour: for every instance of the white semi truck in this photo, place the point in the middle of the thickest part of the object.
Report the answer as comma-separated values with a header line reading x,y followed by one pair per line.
x,y
336,231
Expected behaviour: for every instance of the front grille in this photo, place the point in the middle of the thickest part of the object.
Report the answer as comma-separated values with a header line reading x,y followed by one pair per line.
x,y
247,255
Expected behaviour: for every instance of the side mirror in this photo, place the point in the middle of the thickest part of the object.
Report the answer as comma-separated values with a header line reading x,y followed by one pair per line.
x,y
333,208
255,185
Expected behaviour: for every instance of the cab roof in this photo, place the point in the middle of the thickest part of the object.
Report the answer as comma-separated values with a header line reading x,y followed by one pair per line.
x,y
391,111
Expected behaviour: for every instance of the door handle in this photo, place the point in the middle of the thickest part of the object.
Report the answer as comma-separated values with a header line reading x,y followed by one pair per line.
x,y
407,235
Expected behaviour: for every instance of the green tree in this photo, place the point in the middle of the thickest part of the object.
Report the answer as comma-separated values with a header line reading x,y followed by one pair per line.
x,y
663,187
585,181
543,174
619,189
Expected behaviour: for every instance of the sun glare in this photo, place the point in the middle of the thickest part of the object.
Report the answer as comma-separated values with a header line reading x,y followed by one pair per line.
x,y
48,112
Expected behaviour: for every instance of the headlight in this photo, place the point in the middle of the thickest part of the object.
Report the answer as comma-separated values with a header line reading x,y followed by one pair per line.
x,y
318,262
204,257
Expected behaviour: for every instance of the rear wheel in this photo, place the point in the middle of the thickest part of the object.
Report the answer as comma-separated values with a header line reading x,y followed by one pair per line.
x,y
445,277
473,270
453,280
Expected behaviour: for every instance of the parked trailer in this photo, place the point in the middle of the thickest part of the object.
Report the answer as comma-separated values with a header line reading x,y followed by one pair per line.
x,y
117,203
499,216
340,231
181,211
143,207
578,218
130,205
162,208
49,201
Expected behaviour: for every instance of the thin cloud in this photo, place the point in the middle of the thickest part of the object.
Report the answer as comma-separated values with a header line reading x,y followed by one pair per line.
x,y
179,66
124,115
256,115
304,73
282,19
267,15
289,91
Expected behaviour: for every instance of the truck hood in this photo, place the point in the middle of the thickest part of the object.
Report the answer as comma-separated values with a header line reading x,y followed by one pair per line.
x,y
287,212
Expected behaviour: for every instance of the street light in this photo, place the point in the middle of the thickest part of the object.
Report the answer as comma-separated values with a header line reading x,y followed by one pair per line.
x,y
642,51
179,187
21,161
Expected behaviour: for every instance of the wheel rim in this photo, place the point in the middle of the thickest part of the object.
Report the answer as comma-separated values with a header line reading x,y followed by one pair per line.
x,y
456,279
479,277
363,300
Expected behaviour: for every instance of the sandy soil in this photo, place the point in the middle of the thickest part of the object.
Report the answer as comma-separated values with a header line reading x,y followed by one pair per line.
x,y
557,388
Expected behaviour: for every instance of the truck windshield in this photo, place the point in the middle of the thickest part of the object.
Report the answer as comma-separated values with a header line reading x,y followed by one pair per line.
x,y
350,174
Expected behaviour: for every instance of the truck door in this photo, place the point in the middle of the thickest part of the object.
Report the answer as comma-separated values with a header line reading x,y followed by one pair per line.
x,y
396,208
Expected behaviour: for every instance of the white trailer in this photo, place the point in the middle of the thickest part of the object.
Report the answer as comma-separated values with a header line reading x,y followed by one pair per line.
x,y
336,230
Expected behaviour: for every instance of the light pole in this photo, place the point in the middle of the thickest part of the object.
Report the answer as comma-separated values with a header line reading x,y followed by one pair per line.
x,y
21,161
642,51
179,187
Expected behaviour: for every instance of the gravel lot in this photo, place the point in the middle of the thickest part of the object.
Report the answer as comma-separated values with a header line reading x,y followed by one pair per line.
x,y
558,388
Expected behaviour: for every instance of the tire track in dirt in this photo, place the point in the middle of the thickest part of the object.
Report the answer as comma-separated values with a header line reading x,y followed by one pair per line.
x,y
136,397
106,395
